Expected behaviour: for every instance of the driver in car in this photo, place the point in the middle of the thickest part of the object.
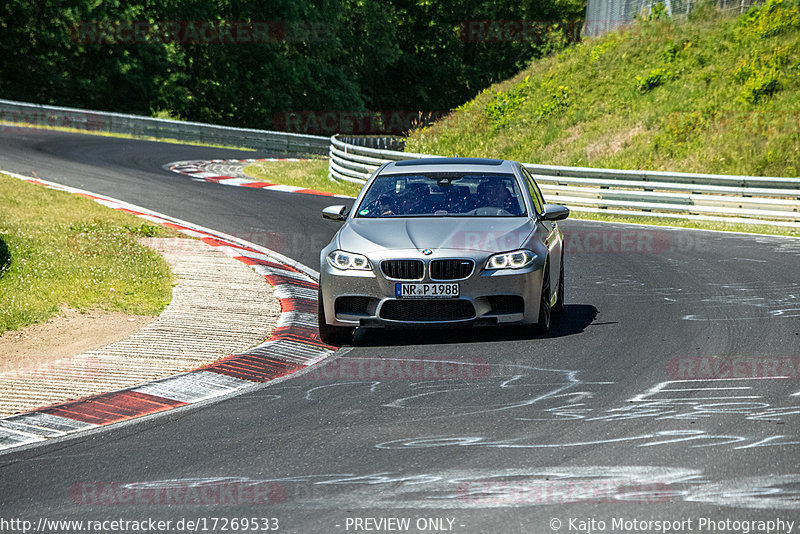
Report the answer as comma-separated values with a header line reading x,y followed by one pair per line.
x,y
496,195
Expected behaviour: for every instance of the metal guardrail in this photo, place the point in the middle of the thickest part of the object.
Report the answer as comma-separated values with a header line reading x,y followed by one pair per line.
x,y
101,121
774,200
382,142
355,163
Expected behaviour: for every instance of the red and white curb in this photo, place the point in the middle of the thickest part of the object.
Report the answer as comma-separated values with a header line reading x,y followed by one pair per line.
x,y
293,345
231,172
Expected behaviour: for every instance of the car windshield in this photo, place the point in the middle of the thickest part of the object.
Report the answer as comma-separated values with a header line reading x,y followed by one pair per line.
x,y
443,195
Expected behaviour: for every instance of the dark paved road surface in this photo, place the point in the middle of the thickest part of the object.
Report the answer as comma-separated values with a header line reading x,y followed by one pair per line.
x,y
496,431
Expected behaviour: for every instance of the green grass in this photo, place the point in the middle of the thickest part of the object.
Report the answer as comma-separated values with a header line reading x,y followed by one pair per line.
x,y
715,93
311,174
58,249
687,223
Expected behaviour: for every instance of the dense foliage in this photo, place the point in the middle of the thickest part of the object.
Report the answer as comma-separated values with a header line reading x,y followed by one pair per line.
x,y
189,59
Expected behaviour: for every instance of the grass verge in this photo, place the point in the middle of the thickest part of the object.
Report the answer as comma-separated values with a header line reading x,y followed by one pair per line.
x,y
58,249
312,174
753,228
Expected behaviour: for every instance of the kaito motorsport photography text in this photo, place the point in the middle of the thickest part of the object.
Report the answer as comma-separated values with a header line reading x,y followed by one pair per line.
x,y
701,524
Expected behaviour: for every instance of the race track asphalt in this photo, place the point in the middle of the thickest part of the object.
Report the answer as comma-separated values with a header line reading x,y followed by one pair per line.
x,y
667,391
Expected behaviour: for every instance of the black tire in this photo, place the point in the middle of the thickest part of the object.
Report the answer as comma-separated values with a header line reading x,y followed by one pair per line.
x,y
332,335
558,307
543,325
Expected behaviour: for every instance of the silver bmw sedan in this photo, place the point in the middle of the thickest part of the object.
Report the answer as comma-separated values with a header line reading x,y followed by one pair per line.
x,y
443,242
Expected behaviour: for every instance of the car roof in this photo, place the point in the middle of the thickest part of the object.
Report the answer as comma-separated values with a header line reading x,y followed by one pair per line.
x,y
424,165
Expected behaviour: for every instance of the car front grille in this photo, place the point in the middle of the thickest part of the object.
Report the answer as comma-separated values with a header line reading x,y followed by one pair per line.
x,y
403,269
427,310
451,269
352,305
503,304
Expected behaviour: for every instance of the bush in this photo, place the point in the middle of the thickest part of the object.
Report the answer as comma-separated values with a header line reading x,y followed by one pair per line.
x,y
557,100
598,51
657,12
762,85
656,78
760,75
772,18
504,104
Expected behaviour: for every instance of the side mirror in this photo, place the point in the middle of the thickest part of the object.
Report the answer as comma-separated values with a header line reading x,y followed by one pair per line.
x,y
335,213
555,212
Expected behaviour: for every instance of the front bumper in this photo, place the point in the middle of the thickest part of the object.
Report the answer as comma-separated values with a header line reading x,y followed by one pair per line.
x,y
487,297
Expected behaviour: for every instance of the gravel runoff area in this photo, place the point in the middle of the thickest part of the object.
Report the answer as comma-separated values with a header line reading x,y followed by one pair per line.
x,y
219,307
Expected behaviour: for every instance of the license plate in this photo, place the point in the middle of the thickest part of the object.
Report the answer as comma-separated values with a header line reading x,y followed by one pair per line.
x,y
418,291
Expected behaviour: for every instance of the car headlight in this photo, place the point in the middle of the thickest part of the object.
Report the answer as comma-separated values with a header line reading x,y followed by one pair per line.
x,y
348,260
517,259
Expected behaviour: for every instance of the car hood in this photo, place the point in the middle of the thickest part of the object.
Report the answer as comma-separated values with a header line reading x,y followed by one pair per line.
x,y
487,234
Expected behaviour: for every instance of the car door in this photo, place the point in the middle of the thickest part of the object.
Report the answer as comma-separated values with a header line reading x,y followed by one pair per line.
x,y
553,237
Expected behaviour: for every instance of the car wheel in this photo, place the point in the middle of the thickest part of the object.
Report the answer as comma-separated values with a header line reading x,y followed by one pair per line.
x,y
558,308
332,335
543,325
